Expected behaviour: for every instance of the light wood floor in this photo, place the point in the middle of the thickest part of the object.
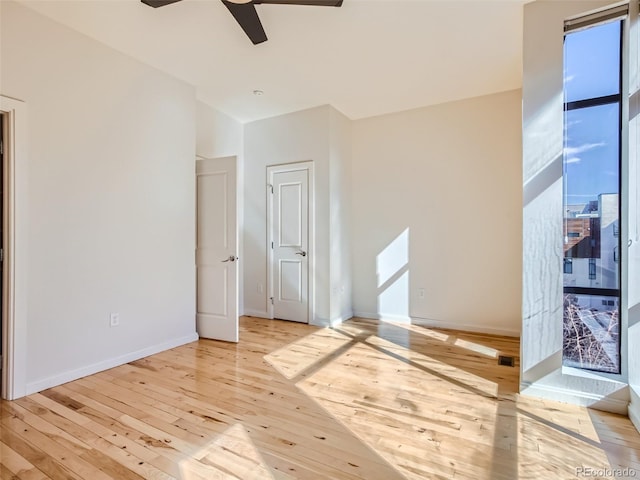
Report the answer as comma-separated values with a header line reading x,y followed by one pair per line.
x,y
363,401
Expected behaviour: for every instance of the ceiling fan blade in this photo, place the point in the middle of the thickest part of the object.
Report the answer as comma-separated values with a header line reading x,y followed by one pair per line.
x,y
317,3
158,3
247,16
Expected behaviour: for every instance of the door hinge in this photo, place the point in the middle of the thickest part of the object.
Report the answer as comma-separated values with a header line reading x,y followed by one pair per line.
x,y
1,254
271,298
271,245
271,187
1,147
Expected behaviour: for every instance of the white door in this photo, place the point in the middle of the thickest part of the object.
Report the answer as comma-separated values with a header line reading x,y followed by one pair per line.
x,y
290,244
216,249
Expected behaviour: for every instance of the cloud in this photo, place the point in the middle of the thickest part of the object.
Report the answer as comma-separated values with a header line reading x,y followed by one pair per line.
x,y
572,123
568,151
572,160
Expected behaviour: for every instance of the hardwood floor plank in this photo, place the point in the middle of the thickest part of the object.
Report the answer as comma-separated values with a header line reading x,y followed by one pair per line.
x,y
282,439
116,461
53,467
363,401
6,474
107,439
163,455
17,466
64,448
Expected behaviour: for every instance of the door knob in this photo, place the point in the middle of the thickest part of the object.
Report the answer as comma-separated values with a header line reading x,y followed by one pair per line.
x,y
232,258
302,252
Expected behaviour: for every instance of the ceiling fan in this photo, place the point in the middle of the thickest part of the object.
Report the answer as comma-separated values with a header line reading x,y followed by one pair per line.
x,y
244,11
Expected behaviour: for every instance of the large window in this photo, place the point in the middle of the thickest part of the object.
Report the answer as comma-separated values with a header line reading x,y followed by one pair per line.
x,y
591,177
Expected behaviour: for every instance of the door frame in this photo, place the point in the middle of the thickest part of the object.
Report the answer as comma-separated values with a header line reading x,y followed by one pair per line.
x,y
283,168
14,298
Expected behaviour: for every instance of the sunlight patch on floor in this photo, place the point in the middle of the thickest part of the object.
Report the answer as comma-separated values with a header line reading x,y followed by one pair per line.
x,y
433,403
369,396
476,347
458,375
427,332
449,338
295,358
230,455
547,437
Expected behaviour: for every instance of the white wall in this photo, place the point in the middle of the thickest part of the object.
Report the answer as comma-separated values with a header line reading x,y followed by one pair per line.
x,y
436,206
218,135
296,137
340,159
541,341
111,199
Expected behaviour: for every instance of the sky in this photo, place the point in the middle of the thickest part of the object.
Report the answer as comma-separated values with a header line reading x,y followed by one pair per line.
x,y
591,155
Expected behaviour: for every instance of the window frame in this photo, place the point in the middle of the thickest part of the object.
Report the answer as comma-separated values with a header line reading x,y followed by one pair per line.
x,y
616,13
593,269
568,265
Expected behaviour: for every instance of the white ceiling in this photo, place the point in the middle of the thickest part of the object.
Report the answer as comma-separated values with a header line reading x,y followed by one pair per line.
x,y
367,58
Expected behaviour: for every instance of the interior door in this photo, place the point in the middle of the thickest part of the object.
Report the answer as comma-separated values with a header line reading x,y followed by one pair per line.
x,y
216,249
290,244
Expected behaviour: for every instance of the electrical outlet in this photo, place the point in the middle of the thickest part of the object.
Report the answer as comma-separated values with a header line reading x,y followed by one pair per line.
x,y
114,319
421,293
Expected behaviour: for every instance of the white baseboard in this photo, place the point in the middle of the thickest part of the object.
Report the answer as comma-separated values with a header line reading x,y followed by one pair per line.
x,y
590,400
634,408
426,322
316,322
334,322
71,375
256,313
383,317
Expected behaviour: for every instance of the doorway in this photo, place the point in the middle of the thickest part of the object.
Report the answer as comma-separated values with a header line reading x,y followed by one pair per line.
x,y
14,246
290,241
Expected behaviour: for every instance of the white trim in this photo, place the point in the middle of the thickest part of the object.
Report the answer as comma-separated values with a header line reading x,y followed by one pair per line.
x,y
330,323
465,327
634,408
359,314
593,374
322,322
384,317
71,375
14,371
293,167
634,416
575,397
426,322
257,313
